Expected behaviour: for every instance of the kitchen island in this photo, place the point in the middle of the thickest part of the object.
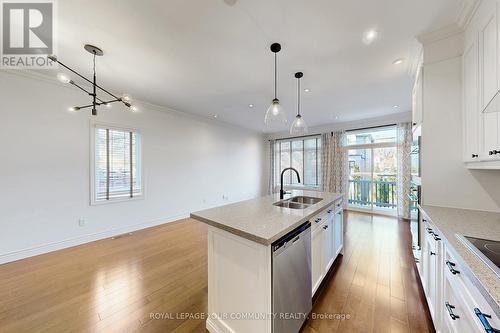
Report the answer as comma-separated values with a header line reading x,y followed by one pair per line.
x,y
241,237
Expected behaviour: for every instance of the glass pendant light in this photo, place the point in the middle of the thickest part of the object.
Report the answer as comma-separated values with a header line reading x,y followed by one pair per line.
x,y
275,114
299,126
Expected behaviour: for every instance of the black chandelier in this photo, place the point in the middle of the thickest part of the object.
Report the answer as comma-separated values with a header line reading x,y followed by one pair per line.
x,y
96,100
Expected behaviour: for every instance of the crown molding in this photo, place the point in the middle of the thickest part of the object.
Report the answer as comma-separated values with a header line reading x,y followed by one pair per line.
x,y
440,34
468,10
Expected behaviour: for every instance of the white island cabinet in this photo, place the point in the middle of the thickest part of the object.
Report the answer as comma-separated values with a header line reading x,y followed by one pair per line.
x,y
241,237
461,290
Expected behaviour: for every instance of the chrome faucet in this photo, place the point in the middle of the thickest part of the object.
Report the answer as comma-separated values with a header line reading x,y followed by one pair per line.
x,y
282,193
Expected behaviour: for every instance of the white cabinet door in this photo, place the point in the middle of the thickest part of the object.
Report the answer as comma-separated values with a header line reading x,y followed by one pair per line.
x,y
430,276
488,53
471,115
318,266
328,245
339,231
456,316
488,77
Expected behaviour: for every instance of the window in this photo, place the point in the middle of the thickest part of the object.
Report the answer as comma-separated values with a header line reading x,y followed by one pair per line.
x,y
372,162
372,136
117,164
302,154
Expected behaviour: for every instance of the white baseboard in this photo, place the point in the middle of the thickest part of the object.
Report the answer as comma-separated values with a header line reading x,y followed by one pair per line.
x,y
216,326
70,242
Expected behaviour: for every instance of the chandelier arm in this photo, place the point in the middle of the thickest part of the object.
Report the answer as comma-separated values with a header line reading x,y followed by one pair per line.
x,y
98,104
89,81
85,106
85,90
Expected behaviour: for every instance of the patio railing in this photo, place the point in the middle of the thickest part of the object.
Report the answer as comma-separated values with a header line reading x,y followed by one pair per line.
x,y
380,194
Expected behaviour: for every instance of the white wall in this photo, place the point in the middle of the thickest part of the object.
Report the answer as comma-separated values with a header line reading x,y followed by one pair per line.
x,y
189,164
445,180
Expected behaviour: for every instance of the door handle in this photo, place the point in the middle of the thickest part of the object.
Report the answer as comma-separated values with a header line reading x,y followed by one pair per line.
x,y
451,266
450,308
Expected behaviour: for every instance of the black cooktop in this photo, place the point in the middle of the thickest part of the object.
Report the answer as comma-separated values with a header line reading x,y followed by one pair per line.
x,y
489,248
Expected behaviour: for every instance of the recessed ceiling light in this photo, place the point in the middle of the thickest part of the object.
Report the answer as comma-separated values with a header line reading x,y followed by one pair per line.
x,y
307,90
369,36
250,105
215,116
395,106
398,61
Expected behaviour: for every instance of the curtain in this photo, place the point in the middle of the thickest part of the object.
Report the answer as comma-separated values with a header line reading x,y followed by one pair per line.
x,y
272,170
404,141
334,163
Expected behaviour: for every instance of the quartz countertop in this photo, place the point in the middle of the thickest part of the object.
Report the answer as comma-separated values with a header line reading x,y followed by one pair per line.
x,y
259,220
479,224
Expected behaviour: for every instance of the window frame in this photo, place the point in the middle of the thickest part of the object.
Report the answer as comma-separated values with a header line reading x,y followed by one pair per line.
x,y
318,163
139,160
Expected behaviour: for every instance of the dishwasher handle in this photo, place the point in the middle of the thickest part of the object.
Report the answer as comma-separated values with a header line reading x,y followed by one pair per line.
x,y
291,237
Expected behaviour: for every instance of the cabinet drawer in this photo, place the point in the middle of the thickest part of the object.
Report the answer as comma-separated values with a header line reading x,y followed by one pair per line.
x,y
474,304
456,315
319,220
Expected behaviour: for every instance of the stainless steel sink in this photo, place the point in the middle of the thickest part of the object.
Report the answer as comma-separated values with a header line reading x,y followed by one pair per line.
x,y
306,200
291,205
298,202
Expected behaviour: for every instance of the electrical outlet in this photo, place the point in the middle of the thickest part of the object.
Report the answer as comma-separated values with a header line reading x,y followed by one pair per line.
x,y
81,222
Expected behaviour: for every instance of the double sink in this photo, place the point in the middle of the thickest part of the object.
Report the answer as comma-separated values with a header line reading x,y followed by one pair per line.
x,y
299,202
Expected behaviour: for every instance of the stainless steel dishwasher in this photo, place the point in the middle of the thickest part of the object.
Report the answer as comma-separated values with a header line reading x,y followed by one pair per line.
x,y
291,275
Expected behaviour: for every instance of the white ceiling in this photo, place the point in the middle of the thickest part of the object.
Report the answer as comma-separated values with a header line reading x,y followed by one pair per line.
x,y
212,57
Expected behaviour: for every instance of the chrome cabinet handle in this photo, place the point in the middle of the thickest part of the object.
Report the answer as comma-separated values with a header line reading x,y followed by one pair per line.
x,y
475,155
436,237
450,308
317,220
329,211
451,266
432,253
325,227
483,318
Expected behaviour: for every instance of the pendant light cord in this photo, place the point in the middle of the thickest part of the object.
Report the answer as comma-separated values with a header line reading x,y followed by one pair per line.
x,y
275,75
298,99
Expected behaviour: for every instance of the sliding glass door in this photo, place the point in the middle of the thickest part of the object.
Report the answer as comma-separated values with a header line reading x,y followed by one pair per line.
x,y
372,171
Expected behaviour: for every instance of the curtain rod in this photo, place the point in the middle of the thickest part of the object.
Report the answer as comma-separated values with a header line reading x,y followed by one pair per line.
x,y
371,127
297,137
319,134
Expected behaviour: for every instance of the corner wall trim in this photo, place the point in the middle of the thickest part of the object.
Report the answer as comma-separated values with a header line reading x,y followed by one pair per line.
x,y
79,240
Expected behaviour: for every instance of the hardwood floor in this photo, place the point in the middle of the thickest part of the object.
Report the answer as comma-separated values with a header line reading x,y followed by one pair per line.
x,y
134,282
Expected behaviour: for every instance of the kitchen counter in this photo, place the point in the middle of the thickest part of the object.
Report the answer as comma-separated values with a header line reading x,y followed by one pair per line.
x,y
452,221
259,220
